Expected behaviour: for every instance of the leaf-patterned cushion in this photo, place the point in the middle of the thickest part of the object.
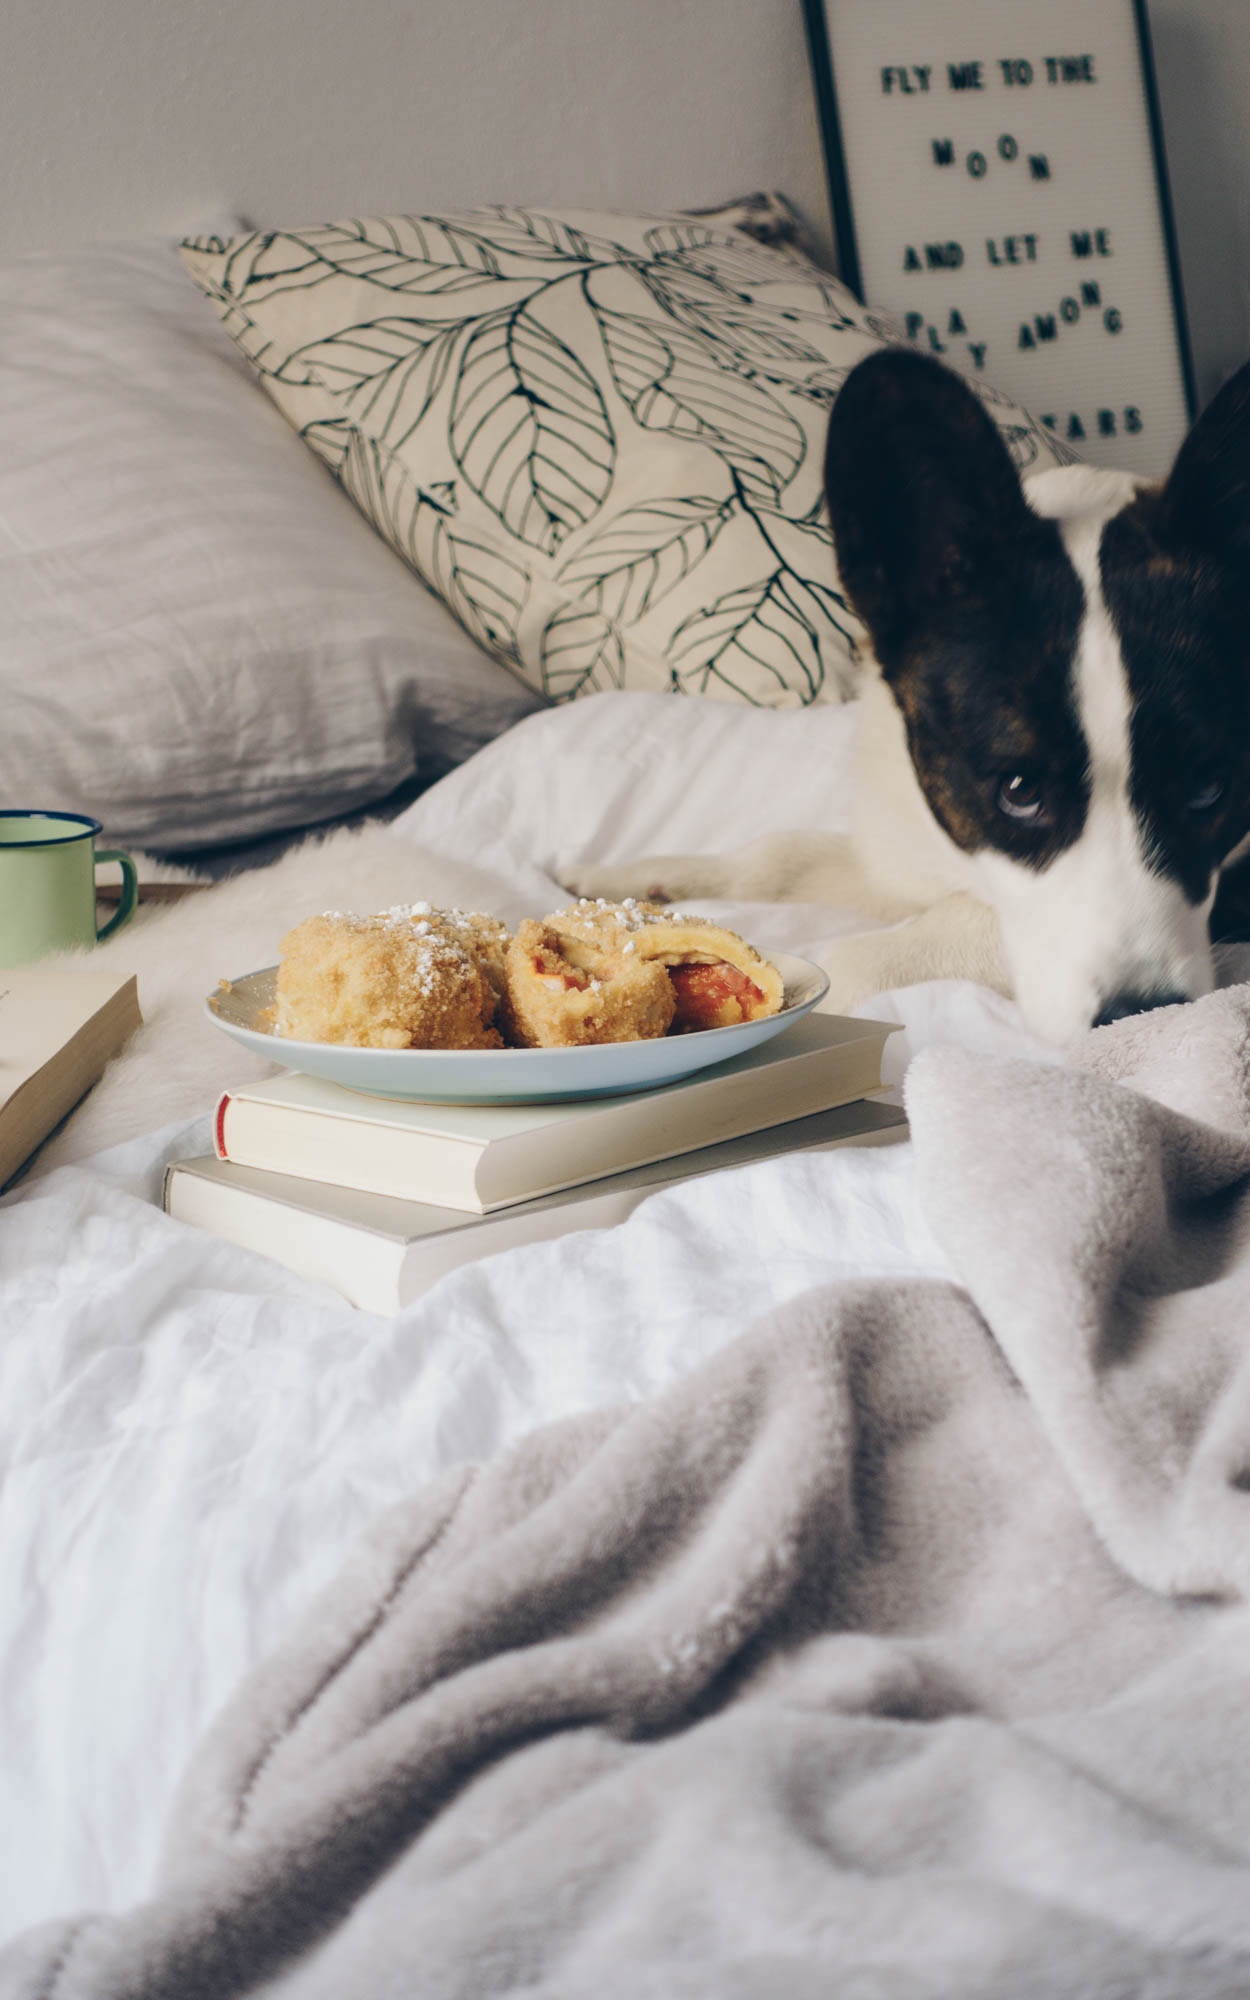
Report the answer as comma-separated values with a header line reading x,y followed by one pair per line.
x,y
598,437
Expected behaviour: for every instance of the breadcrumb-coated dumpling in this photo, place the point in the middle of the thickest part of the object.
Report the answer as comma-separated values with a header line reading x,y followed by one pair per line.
x,y
564,992
411,977
718,979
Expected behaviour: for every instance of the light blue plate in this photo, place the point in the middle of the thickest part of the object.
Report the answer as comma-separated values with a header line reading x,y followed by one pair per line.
x,y
507,1076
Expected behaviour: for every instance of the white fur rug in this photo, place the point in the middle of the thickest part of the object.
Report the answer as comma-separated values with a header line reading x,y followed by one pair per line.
x,y
178,1063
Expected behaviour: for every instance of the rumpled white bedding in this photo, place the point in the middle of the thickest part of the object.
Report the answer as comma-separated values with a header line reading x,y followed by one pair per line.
x,y
192,1438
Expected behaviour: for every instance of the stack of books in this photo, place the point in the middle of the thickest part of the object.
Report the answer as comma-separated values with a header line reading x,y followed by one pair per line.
x,y
379,1197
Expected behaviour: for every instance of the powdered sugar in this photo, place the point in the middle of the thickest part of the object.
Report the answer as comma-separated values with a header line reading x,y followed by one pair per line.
x,y
436,944
630,914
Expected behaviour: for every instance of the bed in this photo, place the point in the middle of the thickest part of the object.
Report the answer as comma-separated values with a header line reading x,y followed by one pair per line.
x,y
975,1728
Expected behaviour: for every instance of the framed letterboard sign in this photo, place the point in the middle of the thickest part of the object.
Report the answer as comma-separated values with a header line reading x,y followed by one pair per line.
x,y
998,187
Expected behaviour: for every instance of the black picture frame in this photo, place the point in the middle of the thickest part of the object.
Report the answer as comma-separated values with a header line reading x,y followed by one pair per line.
x,y
842,209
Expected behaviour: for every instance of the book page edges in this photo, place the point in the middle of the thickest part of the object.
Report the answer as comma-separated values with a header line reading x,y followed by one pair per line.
x,y
42,1012
660,1128
40,1102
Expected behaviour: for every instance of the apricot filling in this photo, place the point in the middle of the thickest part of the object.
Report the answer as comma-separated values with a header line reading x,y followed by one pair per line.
x,y
713,996
549,966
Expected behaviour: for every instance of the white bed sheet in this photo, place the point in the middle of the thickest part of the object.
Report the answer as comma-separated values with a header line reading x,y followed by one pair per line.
x,y
192,1438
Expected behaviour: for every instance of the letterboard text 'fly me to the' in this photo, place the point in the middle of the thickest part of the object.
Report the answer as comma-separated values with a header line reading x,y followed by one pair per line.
x,y
1017,73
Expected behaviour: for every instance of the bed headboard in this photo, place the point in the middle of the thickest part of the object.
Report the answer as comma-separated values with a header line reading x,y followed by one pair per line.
x,y
145,117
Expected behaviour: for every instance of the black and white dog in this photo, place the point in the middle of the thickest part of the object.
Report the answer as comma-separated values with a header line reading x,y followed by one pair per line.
x,y
1054,758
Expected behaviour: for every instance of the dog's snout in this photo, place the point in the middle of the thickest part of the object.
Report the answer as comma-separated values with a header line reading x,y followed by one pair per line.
x,y
1122,1004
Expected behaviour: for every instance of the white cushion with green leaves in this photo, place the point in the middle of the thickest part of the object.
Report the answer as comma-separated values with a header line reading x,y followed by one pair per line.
x,y
598,437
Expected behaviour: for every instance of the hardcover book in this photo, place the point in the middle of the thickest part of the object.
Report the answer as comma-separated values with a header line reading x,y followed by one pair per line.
x,y
58,1030
381,1252
482,1157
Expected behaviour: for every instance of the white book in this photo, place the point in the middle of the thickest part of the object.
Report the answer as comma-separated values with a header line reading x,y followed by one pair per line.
x,y
58,1030
381,1252
486,1156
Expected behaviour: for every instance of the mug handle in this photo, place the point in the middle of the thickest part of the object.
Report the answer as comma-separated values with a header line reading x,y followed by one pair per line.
x,y
130,890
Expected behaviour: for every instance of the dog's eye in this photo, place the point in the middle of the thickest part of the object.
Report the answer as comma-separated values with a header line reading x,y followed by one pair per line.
x,y
1205,797
1022,797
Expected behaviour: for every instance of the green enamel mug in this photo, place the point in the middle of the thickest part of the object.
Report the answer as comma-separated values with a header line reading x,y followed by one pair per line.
x,y
47,885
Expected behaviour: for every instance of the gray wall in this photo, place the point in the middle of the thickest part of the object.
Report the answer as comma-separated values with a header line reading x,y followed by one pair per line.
x,y
1202,58
142,115
134,116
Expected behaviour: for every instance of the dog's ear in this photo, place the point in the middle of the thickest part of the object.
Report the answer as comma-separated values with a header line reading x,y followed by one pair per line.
x,y
923,495
1205,503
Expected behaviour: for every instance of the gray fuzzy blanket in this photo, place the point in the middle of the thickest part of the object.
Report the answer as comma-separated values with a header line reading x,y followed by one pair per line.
x,y
903,1651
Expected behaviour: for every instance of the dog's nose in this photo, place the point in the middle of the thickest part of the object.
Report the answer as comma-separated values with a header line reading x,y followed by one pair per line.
x,y
1121,1004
